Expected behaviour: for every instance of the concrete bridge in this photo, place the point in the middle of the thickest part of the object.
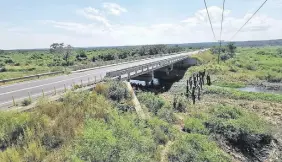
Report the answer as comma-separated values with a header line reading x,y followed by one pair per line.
x,y
15,93
163,69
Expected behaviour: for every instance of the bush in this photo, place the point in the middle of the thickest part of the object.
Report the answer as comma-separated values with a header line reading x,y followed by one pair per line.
x,y
97,144
118,91
194,125
162,131
17,64
151,101
121,138
101,88
81,55
181,104
26,102
261,53
3,69
166,113
195,147
225,57
9,61
126,107
245,131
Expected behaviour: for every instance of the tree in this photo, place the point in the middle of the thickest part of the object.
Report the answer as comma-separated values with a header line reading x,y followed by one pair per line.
x,y
279,51
231,49
68,52
57,48
2,51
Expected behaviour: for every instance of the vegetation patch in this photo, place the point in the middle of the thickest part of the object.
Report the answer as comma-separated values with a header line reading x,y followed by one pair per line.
x,y
240,95
237,128
152,102
196,147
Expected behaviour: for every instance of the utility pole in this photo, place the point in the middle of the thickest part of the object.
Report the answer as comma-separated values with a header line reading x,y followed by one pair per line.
x,y
220,43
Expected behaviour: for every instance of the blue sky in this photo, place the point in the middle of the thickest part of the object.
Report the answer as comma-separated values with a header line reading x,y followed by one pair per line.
x,y
36,24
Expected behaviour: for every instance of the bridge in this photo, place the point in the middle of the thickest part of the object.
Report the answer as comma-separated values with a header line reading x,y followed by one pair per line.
x,y
15,93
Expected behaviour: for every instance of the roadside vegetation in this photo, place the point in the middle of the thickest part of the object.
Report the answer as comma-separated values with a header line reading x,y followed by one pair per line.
x,y
246,125
61,57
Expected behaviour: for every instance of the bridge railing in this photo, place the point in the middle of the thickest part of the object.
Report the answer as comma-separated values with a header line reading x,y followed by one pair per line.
x,y
118,61
142,69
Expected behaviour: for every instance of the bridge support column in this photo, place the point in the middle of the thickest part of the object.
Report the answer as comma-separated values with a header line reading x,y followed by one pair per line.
x,y
171,67
128,76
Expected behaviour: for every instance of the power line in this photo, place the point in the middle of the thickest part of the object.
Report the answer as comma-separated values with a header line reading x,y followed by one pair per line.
x,y
210,19
222,18
248,20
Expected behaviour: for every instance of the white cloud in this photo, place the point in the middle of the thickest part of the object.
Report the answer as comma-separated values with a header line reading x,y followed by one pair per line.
x,y
193,29
94,14
259,23
113,8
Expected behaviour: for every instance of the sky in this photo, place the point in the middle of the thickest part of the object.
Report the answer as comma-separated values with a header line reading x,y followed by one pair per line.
x,y
33,24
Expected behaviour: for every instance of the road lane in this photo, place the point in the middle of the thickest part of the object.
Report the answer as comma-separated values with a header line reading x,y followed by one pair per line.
x,y
20,90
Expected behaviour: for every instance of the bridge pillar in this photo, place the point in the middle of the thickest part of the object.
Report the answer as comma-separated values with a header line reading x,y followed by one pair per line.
x,y
171,67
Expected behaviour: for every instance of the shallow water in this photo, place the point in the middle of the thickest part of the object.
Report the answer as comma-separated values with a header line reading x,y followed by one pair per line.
x,y
143,83
260,89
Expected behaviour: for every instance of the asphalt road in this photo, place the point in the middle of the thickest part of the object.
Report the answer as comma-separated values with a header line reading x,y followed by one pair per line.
x,y
20,91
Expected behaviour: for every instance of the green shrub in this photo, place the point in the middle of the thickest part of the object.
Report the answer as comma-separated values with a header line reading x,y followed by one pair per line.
x,y
126,106
3,69
162,131
101,88
9,61
114,90
97,144
120,138
151,101
17,64
118,91
166,113
194,125
26,102
181,104
195,147
245,131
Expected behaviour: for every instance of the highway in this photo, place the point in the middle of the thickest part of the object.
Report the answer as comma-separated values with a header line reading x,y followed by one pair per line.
x,y
36,88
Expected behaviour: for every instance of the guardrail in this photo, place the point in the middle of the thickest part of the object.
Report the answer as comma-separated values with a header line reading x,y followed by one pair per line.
x,y
55,92
128,59
31,76
88,66
142,69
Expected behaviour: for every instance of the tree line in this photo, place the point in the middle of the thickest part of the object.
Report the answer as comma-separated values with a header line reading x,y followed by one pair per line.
x,y
67,51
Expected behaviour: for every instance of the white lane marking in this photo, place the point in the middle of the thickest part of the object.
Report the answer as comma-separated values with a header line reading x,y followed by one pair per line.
x,y
34,95
45,84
